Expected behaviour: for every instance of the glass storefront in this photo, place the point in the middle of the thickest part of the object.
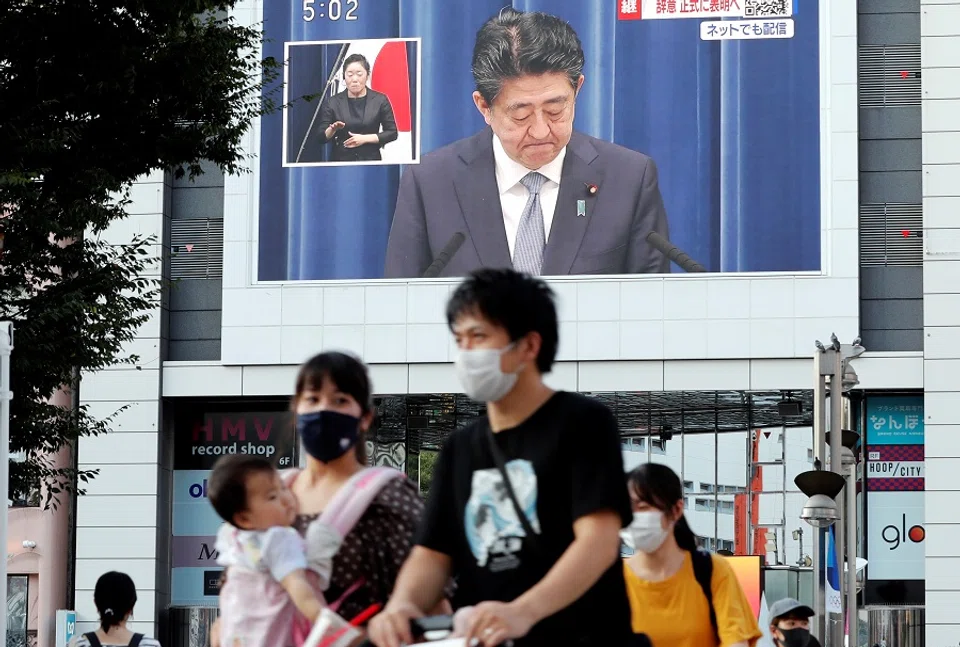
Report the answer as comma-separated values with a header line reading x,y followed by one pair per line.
x,y
736,452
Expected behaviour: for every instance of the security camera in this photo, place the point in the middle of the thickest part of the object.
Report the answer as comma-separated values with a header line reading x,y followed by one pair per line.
x,y
820,511
29,545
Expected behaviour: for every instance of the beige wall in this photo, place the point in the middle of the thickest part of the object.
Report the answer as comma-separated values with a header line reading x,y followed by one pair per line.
x,y
47,563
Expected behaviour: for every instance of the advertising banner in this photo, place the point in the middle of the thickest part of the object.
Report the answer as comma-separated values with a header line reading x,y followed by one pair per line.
x,y
895,484
749,572
385,161
895,536
895,420
195,572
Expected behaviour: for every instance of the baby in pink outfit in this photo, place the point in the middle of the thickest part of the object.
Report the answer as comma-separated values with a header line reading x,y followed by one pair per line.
x,y
266,579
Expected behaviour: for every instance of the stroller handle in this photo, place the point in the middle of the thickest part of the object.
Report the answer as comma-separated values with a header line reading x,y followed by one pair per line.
x,y
421,626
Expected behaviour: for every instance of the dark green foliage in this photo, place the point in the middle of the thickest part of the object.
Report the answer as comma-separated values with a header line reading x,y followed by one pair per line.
x,y
93,95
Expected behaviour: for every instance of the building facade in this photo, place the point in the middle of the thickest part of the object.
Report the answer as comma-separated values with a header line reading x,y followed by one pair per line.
x,y
694,365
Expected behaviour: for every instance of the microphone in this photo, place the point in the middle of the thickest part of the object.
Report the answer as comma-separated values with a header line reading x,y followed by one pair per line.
x,y
674,253
440,262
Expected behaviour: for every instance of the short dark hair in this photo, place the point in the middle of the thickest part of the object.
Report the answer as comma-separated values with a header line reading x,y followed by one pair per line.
x,y
348,374
520,303
227,485
356,58
517,43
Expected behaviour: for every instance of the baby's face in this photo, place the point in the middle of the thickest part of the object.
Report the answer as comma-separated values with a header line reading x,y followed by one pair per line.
x,y
269,503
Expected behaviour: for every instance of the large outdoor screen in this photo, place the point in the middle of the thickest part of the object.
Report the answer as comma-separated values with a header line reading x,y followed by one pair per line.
x,y
698,120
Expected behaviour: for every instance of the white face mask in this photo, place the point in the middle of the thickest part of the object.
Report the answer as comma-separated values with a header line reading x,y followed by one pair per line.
x,y
646,532
480,376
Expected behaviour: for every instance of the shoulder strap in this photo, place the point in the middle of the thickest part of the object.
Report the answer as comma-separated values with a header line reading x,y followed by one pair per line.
x,y
703,571
289,475
508,484
135,640
92,639
354,497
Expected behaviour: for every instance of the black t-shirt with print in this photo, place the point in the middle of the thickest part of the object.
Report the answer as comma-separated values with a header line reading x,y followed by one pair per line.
x,y
564,463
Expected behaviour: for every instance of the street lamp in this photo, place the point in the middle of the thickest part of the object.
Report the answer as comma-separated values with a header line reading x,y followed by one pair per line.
x,y
822,488
848,463
833,377
848,440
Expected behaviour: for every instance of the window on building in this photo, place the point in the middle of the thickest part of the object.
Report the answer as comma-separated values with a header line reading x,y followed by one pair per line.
x,y
30,499
17,611
732,489
704,505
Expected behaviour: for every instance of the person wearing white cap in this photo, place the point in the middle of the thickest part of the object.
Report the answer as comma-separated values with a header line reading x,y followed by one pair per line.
x,y
790,624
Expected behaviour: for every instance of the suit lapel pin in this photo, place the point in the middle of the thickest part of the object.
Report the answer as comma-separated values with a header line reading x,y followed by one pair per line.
x,y
582,208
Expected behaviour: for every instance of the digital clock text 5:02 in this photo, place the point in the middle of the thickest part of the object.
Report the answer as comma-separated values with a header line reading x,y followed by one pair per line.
x,y
335,9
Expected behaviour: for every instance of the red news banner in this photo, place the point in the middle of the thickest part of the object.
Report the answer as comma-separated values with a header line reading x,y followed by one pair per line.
x,y
654,9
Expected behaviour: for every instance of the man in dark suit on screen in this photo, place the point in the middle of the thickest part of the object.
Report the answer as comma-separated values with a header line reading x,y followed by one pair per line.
x,y
529,192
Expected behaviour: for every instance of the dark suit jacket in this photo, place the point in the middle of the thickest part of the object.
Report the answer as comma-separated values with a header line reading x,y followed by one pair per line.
x,y
454,189
377,112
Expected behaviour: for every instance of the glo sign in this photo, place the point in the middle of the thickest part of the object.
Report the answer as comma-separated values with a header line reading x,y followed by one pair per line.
x,y
897,535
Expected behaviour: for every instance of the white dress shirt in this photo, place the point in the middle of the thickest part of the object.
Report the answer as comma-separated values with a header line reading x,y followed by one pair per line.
x,y
513,195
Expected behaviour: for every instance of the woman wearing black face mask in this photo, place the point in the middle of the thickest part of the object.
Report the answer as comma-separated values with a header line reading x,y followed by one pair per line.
x,y
334,410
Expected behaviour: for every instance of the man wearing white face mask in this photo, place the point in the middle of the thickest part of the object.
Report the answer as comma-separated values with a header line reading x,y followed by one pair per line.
x,y
527,502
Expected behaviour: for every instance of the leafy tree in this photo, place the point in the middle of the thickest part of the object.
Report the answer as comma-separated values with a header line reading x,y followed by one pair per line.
x,y
93,95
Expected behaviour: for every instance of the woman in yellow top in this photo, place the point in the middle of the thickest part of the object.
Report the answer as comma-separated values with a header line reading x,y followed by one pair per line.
x,y
667,602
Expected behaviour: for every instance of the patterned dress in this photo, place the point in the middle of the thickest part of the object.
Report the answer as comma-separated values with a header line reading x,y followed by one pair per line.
x,y
375,549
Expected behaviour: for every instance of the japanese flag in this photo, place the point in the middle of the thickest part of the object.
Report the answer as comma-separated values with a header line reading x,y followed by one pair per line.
x,y
390,74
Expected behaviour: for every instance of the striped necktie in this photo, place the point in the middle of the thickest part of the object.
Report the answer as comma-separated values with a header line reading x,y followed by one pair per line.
x,y
528,249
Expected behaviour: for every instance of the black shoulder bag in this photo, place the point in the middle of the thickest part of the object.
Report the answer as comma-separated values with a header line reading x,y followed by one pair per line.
x,y
703,571
95,642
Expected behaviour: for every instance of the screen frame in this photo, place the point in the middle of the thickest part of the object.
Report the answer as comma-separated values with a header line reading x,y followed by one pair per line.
x,y
837,280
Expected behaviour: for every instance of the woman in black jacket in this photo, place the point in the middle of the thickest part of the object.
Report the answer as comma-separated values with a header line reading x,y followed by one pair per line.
x,y
358,121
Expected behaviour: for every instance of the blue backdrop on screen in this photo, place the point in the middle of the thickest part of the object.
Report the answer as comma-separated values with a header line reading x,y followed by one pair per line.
x,y
733,126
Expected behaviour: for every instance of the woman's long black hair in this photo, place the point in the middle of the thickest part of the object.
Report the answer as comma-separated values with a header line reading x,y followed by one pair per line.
x,y
114,596
659,486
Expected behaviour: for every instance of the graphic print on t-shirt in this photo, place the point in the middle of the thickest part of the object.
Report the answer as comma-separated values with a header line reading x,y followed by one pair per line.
x,y
493,529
